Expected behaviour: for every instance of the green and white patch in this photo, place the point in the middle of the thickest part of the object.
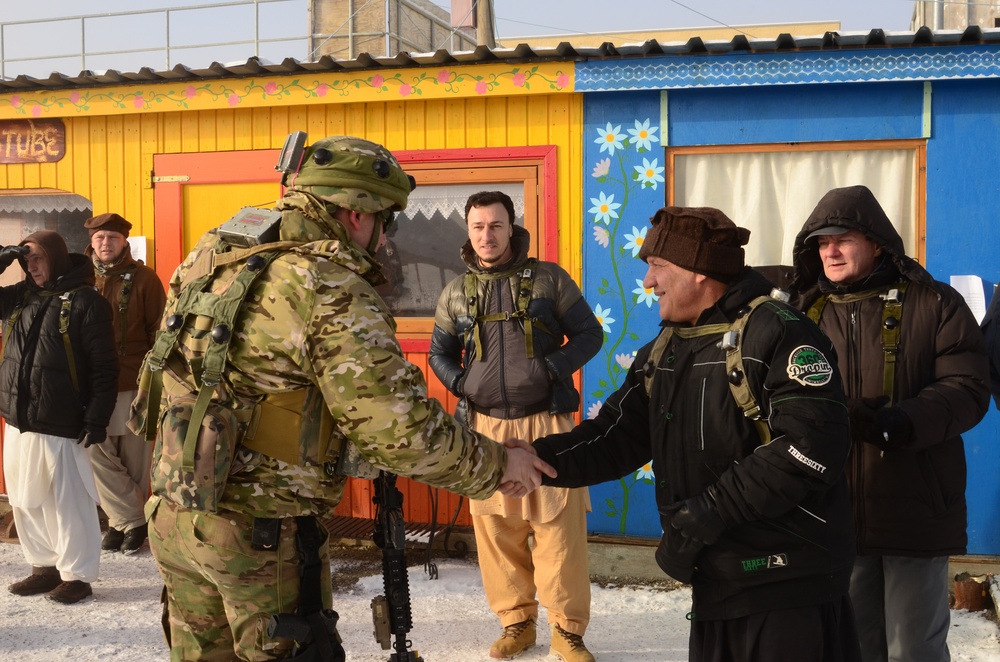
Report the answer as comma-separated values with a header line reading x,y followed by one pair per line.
x,y
809,367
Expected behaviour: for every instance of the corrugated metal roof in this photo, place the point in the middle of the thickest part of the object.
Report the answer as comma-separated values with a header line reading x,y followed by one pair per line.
x,y
38,200
783,43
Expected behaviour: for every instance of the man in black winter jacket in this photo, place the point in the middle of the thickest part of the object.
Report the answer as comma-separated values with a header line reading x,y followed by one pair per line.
x,y
754,508
58,384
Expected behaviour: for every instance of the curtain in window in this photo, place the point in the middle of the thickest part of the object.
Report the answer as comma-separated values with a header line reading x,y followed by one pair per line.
x,y
772,193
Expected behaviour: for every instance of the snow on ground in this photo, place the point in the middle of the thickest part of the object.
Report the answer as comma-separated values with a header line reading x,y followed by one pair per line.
x,y
451,620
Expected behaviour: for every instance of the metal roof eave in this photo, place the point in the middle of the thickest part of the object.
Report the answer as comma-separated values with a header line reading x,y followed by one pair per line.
x,y
521,53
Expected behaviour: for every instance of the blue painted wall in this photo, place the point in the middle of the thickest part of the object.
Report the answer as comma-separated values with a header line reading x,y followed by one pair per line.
x,y
963,236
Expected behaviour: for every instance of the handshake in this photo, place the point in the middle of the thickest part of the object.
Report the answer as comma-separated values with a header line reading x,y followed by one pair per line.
x,y
10,253
524,469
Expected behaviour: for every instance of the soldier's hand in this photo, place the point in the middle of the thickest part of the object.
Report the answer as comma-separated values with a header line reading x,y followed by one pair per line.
x,y
90,436
514,442
523,472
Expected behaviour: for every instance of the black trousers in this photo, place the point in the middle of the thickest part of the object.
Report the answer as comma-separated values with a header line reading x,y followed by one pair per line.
x,y
824,633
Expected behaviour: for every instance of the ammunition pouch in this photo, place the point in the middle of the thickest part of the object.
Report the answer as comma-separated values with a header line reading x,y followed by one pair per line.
x,y
195,452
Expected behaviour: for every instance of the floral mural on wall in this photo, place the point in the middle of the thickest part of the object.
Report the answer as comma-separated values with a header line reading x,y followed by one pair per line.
x,y
287,90
624,159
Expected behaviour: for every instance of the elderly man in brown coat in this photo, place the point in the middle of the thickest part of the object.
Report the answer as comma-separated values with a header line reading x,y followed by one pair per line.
x,y
913,365
136,295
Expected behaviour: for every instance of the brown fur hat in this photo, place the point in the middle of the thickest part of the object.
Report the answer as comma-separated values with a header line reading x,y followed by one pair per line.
x,y
699,239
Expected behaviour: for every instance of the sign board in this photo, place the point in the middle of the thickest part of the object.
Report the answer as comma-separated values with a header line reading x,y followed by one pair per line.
x,y
32,141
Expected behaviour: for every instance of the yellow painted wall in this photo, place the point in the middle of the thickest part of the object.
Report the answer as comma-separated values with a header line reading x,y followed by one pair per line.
x,y
110,148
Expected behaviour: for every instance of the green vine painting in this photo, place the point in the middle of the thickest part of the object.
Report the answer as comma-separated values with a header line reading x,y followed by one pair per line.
x,y
623,190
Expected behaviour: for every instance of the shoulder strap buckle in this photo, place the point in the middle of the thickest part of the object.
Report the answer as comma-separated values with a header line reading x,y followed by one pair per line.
x,y
893,296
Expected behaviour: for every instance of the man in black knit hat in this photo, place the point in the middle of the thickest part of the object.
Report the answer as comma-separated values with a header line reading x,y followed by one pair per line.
x,y
739,408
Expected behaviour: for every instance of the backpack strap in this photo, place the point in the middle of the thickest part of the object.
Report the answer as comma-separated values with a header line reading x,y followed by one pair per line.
x,y
124,295
66,305
892,316
524,291
66,299
732,344
195,300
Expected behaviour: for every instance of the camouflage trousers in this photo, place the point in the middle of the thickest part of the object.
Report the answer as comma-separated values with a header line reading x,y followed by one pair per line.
x,y
220,592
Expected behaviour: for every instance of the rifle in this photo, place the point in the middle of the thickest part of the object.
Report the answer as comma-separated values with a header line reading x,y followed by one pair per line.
x,y
312,628
391,612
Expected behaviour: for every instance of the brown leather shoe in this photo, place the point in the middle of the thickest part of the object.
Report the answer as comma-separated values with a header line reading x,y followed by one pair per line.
x,y
569,647
515,639
69,593
42,580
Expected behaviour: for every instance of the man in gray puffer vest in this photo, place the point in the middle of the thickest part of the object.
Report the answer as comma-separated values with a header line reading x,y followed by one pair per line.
x,y
498,344
914,369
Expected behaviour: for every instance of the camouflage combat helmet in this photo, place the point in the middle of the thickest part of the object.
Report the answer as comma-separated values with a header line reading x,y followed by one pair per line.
x,y
353,173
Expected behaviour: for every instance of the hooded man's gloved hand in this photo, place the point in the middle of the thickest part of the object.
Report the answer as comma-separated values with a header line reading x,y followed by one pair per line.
x,y
872,422
10,253
897,429
90,436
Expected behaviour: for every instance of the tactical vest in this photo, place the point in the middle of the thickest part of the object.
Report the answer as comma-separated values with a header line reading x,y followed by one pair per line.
x,y
197,437
524,291
66,305
892,316
732,343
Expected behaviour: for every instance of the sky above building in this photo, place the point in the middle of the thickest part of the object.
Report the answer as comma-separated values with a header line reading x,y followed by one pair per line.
x,y
532,17
40,48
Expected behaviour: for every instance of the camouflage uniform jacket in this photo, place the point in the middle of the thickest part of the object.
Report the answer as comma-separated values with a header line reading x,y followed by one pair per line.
x,y
313,319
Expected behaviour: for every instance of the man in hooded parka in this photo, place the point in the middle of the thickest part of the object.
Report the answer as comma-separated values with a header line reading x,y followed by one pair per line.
x,y
913,365
58,382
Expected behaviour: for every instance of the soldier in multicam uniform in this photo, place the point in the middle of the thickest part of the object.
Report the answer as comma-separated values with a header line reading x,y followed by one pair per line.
x,y
312,368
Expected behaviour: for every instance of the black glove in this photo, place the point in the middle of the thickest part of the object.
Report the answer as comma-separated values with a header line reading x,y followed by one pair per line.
x,y
873,423
676,555
864,423
10,253
698,518
897,429
90,436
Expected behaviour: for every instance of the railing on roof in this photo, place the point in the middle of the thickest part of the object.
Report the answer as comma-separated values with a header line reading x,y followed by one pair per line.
x,y
192,35
155,38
